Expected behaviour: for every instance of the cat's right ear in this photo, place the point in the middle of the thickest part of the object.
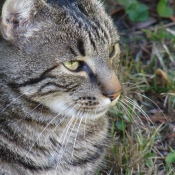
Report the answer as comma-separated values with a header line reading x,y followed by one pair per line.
x,y
18,18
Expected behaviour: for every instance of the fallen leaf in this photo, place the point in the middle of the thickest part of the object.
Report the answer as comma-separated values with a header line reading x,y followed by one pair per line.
x,y
163,74
172,18
156,118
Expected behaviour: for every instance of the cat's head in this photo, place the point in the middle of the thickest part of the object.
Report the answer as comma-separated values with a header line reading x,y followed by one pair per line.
x,y
64,56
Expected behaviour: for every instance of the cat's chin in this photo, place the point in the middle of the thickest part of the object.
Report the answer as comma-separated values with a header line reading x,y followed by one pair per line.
x,y
96,114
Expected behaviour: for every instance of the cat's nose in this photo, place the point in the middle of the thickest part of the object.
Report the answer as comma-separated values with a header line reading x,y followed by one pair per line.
x,y
112,88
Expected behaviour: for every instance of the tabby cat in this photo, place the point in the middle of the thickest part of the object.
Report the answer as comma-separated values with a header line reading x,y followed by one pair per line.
x,y
58,77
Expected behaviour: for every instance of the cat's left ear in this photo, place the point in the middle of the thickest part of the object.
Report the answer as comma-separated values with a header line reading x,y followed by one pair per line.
x,y
18,18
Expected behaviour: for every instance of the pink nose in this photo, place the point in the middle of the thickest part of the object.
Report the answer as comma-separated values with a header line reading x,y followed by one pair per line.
x,y
112,88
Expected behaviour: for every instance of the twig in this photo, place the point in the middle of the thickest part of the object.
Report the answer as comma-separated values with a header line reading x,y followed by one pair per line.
x,y
156,51
169,54
158,27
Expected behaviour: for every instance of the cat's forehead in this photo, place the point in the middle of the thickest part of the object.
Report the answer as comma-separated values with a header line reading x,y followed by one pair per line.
x,y
72,24
61,2
58,26
82,18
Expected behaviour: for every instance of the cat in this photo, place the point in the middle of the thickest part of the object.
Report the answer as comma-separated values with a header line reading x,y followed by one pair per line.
x,y
59,66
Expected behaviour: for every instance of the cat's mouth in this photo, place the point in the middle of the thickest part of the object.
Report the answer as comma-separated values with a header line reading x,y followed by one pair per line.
x,y
116,99
99,109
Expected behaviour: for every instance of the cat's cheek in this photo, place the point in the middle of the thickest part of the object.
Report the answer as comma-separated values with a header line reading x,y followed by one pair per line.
x,y
64,105
28,91
59,103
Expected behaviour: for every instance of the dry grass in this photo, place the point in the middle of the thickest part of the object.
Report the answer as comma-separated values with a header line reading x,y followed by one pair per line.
x,y
143,122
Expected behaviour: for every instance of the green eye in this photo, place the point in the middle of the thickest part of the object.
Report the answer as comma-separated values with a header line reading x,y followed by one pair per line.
x,y
111,51
72,65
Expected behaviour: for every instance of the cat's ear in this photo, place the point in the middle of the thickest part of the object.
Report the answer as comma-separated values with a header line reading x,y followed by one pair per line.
x,y
18,17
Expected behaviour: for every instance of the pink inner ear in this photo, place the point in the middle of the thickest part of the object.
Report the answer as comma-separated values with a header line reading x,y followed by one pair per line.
x,y
6,28
4,31
9,22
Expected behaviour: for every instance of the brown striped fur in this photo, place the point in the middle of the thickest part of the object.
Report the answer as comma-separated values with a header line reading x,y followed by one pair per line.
x,y
52,120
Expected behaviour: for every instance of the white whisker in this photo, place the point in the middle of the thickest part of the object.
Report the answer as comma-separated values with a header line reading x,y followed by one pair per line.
x,y
76,136
130,101
27,114
128,113
62,118
62,149
153,103
93,120
85,133
12,102
40,134
127,12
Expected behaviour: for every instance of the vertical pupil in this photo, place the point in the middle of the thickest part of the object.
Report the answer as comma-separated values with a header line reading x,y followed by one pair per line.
x,y
72,62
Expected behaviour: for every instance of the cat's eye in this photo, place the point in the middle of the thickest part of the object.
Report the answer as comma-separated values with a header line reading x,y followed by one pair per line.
x,y
72,65
111,51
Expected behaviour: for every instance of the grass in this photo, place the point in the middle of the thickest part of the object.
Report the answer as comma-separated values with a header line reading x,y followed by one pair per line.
x,y
143,119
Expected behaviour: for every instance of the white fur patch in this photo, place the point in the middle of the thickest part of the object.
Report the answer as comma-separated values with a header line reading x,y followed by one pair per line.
x,y
23,11
21,7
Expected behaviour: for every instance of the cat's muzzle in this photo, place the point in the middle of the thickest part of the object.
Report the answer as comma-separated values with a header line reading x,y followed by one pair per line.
x,y
114,98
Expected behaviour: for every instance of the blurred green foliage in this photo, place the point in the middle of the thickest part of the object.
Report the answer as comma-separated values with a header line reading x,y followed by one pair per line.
x,y
138,12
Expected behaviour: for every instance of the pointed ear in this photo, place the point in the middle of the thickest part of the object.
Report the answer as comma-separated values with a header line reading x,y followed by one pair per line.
x,y
18,17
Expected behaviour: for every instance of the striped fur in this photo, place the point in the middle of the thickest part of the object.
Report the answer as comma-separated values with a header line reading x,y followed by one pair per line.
x,y
52,120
